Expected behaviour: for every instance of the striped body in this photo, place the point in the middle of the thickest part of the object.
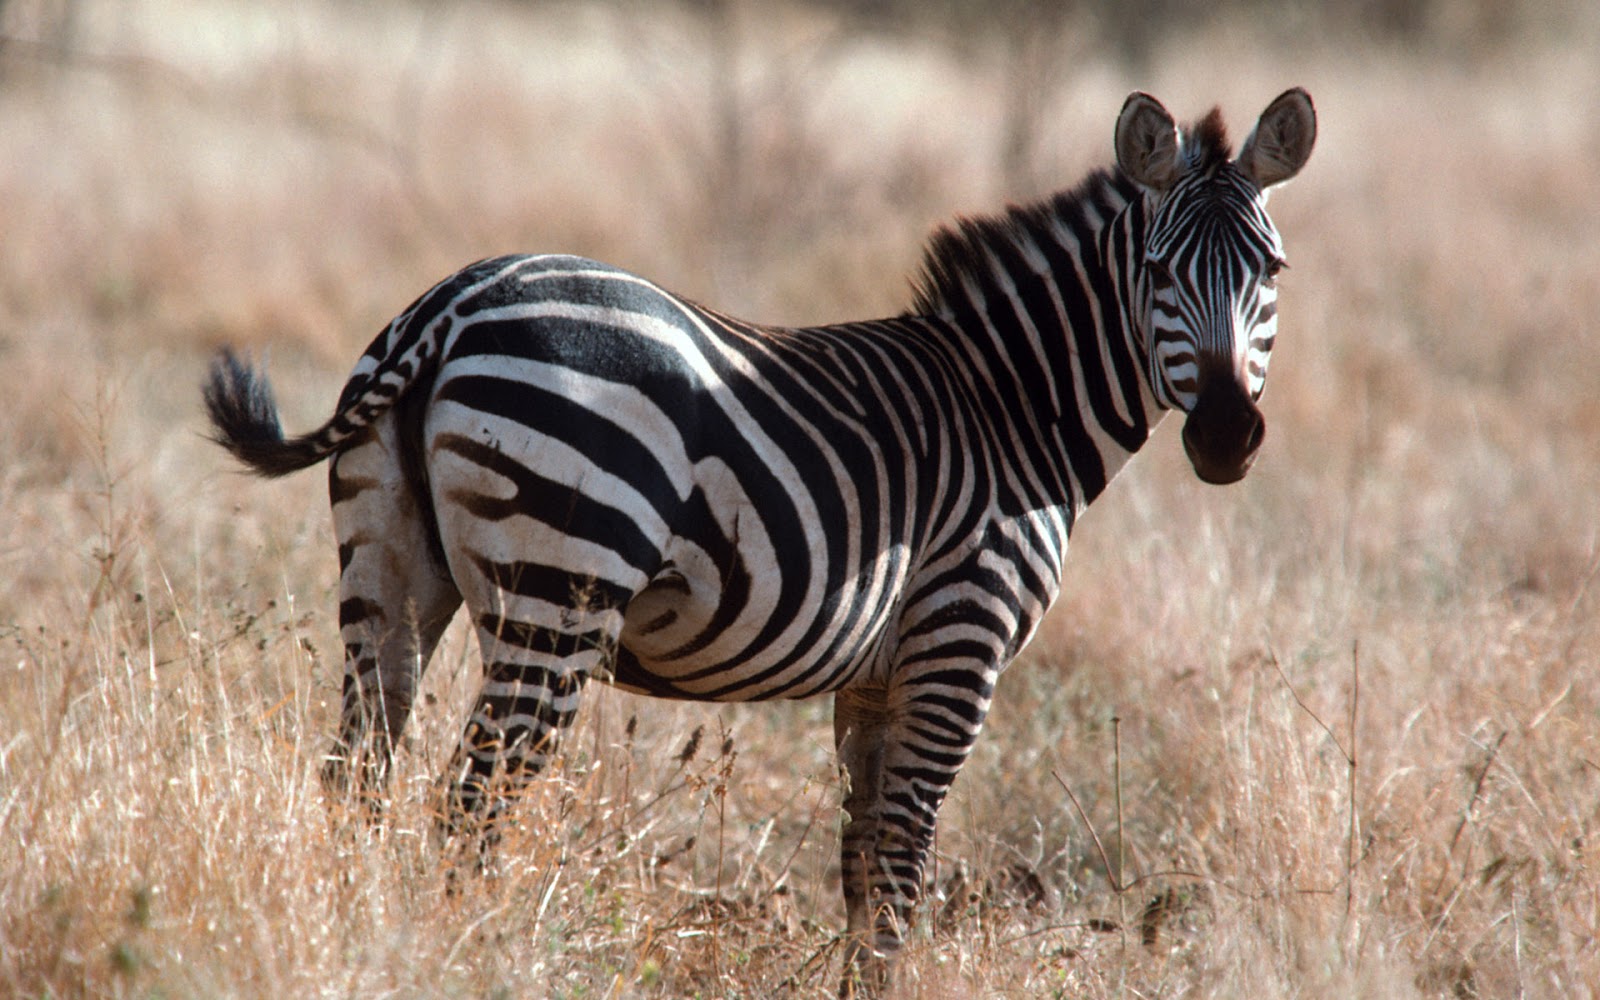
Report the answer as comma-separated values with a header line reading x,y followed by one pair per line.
x,y
618,483
759,506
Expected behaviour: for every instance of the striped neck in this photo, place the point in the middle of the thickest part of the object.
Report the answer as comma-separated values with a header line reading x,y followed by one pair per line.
x,y
1041,304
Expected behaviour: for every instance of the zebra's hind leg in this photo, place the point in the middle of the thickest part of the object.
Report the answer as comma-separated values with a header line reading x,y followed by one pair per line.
x,y
536,661
396,598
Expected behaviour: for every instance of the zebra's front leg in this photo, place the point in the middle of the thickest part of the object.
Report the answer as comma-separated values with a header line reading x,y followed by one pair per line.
x,y
860,718
925,727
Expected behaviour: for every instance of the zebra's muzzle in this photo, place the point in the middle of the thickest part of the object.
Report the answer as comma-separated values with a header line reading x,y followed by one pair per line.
x,y
1223,432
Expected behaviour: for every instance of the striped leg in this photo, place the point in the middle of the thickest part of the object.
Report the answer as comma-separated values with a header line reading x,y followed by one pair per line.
x,y
860,720
546,572
903,750
396,598
534,673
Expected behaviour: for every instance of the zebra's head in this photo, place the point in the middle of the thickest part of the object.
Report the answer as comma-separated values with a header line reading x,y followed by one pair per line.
x,y
1206,275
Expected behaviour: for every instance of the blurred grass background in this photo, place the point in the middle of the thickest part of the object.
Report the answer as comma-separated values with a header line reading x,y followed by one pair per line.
x,y
1408,576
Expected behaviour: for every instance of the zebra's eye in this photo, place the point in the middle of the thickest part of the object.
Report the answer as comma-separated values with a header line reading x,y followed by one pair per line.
x,y
1269,275
1160,274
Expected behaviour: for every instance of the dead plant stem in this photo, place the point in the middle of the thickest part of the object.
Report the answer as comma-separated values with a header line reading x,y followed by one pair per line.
x,y
1122,847
1350,793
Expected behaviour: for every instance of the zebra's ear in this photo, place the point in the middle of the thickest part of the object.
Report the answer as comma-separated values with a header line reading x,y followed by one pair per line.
x,y
1149,149
1282,140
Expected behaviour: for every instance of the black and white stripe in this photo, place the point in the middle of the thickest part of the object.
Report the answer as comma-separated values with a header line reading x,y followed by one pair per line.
x,y
620,483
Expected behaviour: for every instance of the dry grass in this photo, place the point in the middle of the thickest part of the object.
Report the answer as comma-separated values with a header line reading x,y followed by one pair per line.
x,y
1418,548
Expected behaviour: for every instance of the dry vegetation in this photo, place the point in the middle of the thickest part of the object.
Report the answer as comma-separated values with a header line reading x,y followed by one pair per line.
x,y
1409,576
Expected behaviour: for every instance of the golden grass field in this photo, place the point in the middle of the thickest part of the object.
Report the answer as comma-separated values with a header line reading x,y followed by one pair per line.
x,y
1407,580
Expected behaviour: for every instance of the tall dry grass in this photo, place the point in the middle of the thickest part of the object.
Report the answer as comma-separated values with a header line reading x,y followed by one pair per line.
x,y
1408,579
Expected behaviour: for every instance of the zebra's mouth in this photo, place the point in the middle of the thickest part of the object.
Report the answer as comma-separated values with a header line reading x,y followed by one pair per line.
x,y
1223,433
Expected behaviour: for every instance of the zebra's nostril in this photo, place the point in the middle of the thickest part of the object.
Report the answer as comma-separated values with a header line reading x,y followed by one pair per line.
x,y
1258,433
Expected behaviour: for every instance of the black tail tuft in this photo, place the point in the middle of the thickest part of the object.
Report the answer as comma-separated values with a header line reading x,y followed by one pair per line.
x,y
244,418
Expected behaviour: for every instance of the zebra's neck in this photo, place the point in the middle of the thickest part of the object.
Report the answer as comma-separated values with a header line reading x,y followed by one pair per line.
x,y
1040,302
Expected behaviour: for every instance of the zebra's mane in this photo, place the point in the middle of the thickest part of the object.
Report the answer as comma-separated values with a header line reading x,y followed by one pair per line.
x,y
963,252
1205,143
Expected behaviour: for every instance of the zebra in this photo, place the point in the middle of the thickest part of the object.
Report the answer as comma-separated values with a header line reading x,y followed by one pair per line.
x,y
622,484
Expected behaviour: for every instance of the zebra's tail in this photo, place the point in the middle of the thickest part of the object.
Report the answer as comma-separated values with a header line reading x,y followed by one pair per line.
x,y
244,420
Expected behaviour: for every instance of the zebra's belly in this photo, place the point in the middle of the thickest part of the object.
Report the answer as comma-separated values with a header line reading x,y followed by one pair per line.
x,y
696,634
